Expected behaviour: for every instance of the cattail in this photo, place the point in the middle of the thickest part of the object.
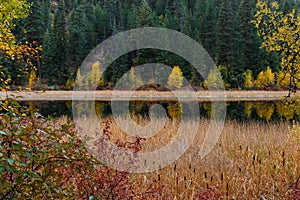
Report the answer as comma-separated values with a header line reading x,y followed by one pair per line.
x,y
222,176
211,179
227,189
205,175
175,167
158,177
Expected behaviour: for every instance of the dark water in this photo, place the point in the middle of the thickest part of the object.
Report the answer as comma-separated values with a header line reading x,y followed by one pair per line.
x,y
265,111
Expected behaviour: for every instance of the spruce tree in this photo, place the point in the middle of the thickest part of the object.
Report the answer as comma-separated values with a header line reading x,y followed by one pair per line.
x,y
225,31
61,56
34,25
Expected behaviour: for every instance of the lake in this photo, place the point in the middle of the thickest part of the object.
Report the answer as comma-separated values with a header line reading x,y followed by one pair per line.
x,y
265,111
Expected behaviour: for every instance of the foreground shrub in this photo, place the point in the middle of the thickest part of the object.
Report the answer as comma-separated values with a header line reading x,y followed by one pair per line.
x,y
44,159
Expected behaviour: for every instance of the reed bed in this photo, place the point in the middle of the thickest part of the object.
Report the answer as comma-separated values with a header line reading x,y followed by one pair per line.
x,y
251,160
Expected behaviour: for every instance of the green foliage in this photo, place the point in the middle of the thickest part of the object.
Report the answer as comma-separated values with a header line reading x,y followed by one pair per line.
x,y
37,155
225,35
175,78
69,29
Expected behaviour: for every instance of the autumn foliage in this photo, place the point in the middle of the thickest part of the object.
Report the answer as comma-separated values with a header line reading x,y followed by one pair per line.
x,y
280,33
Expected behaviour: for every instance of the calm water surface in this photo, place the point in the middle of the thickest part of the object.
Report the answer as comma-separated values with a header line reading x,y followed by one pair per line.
x,y
265,111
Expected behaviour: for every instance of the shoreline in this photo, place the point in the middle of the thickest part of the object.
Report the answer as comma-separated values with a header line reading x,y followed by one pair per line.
x,y
106,95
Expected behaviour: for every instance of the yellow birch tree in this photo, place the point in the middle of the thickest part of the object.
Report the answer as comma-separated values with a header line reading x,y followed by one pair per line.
x,y
281,33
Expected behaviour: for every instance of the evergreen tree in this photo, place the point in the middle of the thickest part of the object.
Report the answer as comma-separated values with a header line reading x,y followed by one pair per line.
x,y
78,36
248,51
225,31
208,30
34,25
61,57
102,26
35,29
49,62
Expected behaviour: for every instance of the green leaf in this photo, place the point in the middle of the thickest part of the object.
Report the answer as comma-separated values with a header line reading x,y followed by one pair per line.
x,y
10,161
28,155
19,179
21,164
1,169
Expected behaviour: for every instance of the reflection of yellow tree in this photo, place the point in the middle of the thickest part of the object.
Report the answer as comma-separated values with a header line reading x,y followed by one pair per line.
x,y
285,110
175,111
136,107
99,108
248,108
31,107
264,110
207,107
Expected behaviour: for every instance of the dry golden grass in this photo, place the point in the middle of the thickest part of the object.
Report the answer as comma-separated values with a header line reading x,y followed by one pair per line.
x,y
250,161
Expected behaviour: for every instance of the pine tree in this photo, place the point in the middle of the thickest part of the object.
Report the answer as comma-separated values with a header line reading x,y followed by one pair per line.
x,y
78,36
34,25
249,50
35,29
61,56
225,32
49,60
102,26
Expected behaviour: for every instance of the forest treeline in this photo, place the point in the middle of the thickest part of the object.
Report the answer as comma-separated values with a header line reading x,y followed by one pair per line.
x,y
67,30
